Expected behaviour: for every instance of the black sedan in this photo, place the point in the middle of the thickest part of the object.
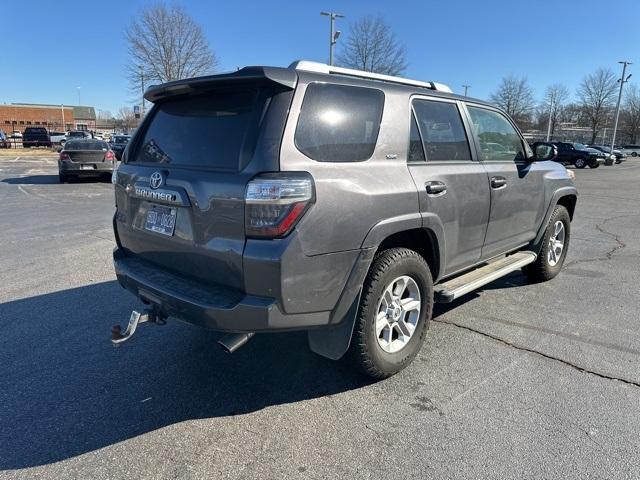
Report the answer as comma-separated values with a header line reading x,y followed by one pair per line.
x,y
85,158
604,149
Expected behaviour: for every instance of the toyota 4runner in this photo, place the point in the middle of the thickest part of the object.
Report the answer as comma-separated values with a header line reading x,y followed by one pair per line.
x,y
330,200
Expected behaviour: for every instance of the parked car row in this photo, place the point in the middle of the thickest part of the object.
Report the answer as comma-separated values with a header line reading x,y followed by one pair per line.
x,y
41,137
580,155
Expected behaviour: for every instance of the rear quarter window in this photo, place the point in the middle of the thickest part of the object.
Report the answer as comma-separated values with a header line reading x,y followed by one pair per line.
x,y
339,123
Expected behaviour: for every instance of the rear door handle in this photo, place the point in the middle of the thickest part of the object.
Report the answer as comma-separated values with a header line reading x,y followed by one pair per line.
x,y
435,188
498,182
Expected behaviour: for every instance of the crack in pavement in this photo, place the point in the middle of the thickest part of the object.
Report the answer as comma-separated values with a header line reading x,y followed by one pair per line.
x,y
609,254
542,354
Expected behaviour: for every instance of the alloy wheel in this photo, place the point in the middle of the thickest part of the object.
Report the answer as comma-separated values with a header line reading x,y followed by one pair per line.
x,y
398,314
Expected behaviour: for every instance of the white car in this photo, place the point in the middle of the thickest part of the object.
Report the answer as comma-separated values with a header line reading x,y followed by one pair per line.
x,y
58,137
16,134
633,150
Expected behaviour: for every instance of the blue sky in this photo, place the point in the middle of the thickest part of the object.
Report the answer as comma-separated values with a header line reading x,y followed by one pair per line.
x,y
57,46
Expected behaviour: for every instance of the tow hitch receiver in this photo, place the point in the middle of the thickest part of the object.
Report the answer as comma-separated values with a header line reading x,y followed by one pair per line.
x,y
118,337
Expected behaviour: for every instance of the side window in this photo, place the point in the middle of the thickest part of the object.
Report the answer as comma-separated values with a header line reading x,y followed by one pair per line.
x,y
498,139
416,153
442,131
339,123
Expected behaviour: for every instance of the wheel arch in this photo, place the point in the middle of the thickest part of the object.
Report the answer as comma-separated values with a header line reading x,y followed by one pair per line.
x,y
421,240
569,202
567,197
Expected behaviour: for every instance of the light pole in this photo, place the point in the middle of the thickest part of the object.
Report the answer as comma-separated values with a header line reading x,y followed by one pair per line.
x,y
333,34
62,111
79,102
466,89
550,118
622,80
142,90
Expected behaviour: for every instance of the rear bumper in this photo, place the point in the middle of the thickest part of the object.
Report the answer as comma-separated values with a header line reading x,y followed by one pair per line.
x,y
217,308
77,168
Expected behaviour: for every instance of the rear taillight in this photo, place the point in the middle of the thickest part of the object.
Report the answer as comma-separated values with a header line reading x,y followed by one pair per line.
x,y
275,202
64,156
109,156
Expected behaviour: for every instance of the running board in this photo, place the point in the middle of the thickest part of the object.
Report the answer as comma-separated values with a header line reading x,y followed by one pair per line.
x,y
447,292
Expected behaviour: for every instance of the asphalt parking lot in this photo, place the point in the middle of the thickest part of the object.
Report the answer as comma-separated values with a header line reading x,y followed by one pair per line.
x,y
514,381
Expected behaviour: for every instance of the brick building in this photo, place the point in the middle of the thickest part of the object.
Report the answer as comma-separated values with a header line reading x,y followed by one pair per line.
x,y
18,116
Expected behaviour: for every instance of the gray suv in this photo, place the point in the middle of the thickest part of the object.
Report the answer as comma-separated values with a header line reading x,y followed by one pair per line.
x,y
330,200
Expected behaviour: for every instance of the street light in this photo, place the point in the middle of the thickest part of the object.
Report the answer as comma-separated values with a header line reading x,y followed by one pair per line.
x,y
622,81
466,89
333,34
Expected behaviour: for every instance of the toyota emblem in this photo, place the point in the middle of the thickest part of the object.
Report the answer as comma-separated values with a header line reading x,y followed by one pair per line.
x,y
156,180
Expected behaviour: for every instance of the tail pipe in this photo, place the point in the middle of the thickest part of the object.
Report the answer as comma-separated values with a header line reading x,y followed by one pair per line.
x,y
233,341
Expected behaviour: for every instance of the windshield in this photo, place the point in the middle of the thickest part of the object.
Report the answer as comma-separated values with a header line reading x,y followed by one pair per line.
x,y
579,146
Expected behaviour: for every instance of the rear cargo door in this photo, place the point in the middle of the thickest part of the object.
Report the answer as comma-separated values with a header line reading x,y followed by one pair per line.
x,y
180,190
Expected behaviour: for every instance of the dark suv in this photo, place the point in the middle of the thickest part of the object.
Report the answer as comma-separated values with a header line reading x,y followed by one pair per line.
x,y
579,155
118,143
36,137
335,201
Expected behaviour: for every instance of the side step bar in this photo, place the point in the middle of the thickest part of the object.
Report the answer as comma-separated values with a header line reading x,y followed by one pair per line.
x,y
455,288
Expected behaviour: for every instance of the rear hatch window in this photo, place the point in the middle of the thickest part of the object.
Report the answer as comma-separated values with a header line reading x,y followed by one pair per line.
x,y
86,145
216,130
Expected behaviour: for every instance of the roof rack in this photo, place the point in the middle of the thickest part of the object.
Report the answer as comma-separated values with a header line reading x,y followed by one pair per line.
x,y
318,67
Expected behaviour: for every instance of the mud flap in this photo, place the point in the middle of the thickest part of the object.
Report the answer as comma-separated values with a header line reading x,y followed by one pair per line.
x,y
333,342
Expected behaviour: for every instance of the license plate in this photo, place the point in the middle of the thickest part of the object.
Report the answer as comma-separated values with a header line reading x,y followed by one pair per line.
x,y
161,219
87,167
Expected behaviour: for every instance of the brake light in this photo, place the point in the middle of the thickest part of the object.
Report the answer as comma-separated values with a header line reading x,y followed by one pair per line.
x,y
109,156
275,203
64,156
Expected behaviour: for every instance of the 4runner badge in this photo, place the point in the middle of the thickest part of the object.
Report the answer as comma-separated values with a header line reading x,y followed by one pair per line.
x,y
156,180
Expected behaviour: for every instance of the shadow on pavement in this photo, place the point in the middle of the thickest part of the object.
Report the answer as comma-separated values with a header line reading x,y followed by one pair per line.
x,y
53,179
67,391
32,180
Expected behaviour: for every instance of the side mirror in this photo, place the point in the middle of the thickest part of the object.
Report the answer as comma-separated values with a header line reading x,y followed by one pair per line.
x,y
544,151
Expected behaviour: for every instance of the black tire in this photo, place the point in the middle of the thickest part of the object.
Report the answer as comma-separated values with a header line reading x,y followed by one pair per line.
x,y
580,162
594,165
634,154
62,177
542,270
365,350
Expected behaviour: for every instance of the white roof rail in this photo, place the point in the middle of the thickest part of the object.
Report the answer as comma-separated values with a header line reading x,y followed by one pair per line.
x,y
318,67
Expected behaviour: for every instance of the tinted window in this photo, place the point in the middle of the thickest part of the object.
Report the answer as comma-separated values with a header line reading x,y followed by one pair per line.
x,y
497,137
441,130
339,123
86,145
416,153
211,130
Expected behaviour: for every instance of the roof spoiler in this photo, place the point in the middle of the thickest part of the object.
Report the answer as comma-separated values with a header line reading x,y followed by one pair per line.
x,y
286,77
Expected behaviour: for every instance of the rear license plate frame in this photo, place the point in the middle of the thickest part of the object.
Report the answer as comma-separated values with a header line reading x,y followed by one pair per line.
x,y
161,219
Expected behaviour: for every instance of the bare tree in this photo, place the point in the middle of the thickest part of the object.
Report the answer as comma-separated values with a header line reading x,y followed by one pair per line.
x,y
515,96
372,46
166,44
596,94
127,118
555,100
631,114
